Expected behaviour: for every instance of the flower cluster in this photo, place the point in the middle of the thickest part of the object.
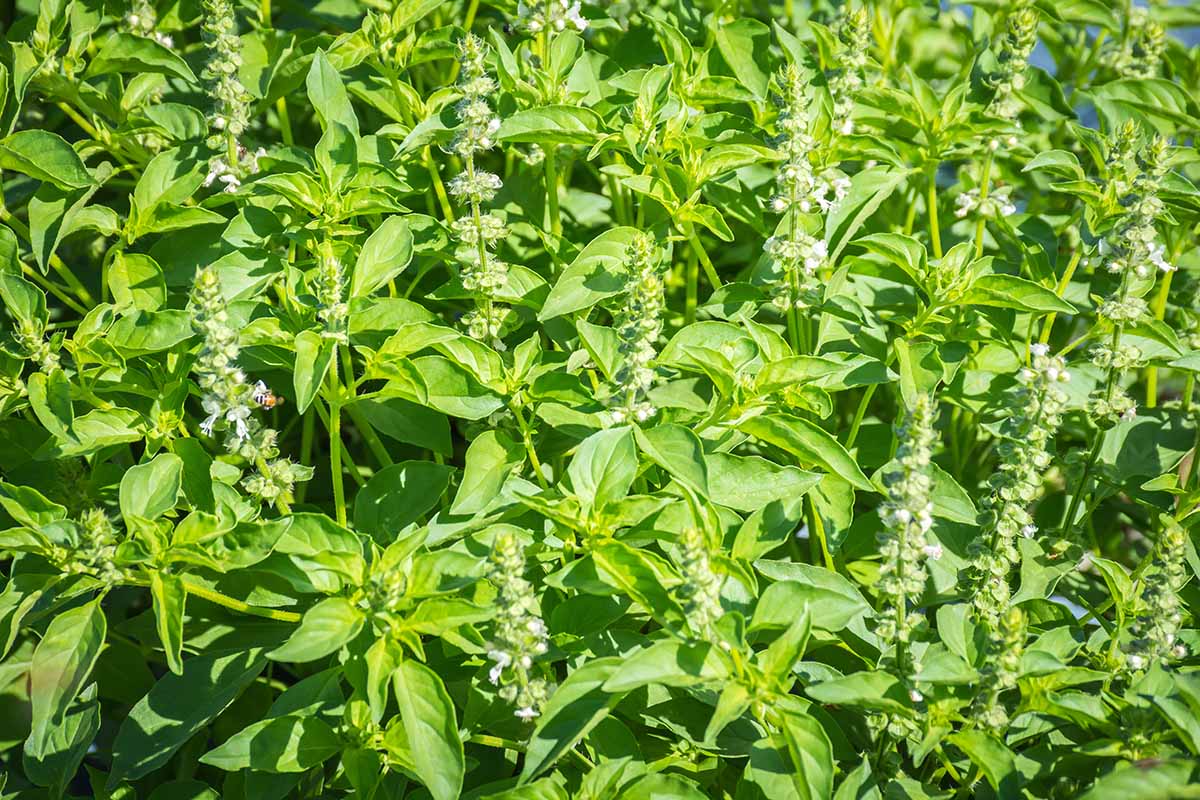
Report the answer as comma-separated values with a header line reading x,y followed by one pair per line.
x,y
639,325
799,186
1131,250
907,516
520,634
1139,54
997,204
1013,59
700,592
1000,670
94,551
550,15
1035,411
231,101
845,78
230,174
229,399
478,233
32,344
334,311
1159,609
796,256
142,20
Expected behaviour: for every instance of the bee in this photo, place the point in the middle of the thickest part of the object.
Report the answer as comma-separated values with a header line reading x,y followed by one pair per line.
x,y
265,397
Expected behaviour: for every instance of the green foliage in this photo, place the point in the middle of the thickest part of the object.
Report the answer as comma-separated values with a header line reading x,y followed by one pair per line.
x,y
544,400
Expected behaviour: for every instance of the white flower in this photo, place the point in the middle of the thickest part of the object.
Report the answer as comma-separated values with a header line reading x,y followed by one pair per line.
x,y
916,696
1156,258
525,713
216,168
238,417
1039,349
933,551
1136,662
213,409
1029,530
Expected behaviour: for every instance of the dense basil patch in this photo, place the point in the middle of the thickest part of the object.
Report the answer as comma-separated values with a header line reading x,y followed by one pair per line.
x,y
437,399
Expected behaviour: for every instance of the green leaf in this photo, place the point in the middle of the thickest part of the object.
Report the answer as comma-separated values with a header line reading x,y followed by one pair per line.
x,y
596,273
314,354
289,743
668,663
833,601
677,450
398,496
576,706
1009,291
745,45
811,753
432,728
177,708
641,575
328,95
878,691
325,627
490,460
995,760
53,753
385,254
169,597
783,653
63,661
150,490
868,190
551,125
44,156
604,467
124,52
1151,781
808,443
750,483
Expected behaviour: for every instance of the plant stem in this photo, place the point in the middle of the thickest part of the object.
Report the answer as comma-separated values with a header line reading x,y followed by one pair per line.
x,y
306,444
530,450
372,439
859,413
57,263
692,278
984,185
335,445
551,173
1063,282
213,596
1160,311
285,121
935,234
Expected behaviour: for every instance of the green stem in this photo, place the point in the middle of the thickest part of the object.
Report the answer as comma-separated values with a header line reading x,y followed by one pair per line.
x,y
859,413
551,173
1160,311
530,450
335,445
935,233
984,185
307,430
692,278
285,120
213,596
374,444
1060,290
22,230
